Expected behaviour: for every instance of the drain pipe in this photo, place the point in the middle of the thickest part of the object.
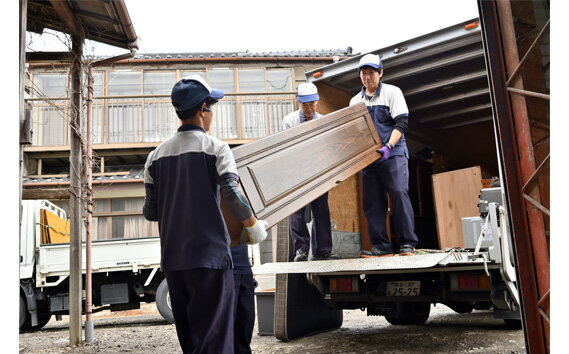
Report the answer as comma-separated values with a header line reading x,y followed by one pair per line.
x,y
89,325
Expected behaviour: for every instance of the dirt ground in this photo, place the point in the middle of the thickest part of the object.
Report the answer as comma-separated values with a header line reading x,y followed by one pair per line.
x,y
145,331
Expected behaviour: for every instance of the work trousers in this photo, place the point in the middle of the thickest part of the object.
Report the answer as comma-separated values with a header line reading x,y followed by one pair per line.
x,y
203,306
244,312
321,242
378,180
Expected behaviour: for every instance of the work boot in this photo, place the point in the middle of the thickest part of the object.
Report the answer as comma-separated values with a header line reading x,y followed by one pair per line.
x,y
375,252
301,256
406,250
324,257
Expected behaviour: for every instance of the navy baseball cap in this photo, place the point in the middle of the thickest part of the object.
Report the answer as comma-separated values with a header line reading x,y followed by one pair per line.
x,y
191,91
371,60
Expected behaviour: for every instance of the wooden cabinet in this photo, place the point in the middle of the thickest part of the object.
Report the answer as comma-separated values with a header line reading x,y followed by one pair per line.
x,y
285,171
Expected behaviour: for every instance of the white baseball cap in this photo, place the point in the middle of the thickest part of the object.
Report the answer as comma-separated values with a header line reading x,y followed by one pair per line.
x,y
307,92
371,60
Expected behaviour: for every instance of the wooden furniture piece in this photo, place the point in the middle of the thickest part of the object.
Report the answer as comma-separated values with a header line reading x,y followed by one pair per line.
x,y
456,196
285,171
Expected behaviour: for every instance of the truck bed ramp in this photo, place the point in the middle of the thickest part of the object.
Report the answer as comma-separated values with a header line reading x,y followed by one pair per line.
x,y
417,261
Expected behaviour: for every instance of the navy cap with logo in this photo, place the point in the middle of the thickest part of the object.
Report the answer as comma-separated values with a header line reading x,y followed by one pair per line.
x,y
190,91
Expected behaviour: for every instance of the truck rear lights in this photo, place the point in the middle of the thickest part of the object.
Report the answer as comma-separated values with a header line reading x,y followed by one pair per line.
x,y
473,282
344,285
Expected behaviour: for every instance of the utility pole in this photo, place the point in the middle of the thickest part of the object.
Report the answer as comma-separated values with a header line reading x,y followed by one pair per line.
x,y
75,262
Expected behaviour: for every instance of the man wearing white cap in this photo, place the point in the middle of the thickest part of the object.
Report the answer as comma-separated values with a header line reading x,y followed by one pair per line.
x,y
390,174
321,242
184,178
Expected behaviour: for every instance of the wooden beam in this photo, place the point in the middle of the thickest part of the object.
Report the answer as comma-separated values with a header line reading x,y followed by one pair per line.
x,y
68,18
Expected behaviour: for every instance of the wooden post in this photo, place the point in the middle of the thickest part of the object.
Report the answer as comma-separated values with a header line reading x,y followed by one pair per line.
x,y
75,263
89,332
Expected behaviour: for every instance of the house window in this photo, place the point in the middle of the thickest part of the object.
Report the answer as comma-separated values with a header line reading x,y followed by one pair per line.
x,y
124,123
224,125
121,218
49,117
160,120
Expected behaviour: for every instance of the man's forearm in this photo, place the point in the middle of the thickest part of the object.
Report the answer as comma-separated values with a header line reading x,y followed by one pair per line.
x,y
150,210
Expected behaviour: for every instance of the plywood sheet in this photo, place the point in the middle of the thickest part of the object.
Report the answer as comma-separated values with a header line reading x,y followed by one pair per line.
x,y
456,196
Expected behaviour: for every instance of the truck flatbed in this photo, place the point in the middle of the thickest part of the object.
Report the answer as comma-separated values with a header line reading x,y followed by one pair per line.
x,y
420,262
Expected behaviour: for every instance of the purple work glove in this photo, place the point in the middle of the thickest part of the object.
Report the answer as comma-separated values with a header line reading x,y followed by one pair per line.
x,y
385,152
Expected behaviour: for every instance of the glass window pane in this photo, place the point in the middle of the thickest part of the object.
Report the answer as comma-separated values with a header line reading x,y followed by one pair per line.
x,y
221,79
97,84
200,73
251,80
124,83
118,205
279,81
159,82
50,85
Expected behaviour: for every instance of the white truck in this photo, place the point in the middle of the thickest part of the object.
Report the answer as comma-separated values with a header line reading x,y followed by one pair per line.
x,y
444,80
125,272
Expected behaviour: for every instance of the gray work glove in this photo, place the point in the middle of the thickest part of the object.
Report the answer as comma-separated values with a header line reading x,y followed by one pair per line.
x,y
255,233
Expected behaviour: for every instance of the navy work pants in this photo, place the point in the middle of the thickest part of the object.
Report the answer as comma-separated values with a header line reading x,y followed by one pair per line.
x,y
244,312
378,180
203,306
321,242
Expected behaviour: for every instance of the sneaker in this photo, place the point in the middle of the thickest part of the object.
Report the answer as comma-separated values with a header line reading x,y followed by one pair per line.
x,y
301,256
406,250
375,252
324,257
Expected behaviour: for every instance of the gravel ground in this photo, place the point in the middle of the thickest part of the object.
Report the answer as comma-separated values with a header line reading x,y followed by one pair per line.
x,y
144,331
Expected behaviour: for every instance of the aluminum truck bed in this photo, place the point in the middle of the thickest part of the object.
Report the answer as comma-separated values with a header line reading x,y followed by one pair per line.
x,y
419,262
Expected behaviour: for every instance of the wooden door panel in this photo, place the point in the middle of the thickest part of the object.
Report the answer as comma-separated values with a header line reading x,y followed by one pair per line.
x,y
285,171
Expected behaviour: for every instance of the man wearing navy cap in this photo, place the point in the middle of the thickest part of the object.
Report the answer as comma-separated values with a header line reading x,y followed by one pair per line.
x,y
390,174
321,242
184,178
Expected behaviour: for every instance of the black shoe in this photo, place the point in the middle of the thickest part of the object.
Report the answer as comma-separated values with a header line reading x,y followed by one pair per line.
x,y
375,252
325,257
406,250
301,256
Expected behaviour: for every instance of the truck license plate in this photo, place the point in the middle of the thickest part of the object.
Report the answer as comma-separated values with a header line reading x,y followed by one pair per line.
x,y
403,288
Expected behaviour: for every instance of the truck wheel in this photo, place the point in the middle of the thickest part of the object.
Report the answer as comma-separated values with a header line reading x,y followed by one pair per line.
x,y
163,302
26,319
409,313
24,315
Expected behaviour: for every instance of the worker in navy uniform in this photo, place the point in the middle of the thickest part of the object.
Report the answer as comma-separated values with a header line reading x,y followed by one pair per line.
x,y
390,174
184,178
244,300
321,241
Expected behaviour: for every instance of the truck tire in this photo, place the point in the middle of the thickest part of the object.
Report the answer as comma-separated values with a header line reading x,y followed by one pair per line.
x,y
409,313
163,302
26,318
23,314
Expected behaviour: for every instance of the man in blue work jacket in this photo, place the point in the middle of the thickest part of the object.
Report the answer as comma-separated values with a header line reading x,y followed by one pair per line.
x,y
390,174
321,242
184,178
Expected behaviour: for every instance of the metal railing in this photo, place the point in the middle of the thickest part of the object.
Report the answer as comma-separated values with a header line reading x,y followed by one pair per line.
x,y
151,118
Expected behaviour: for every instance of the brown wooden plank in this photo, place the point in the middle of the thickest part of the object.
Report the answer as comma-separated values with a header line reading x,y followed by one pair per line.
x,y
456,195
285,171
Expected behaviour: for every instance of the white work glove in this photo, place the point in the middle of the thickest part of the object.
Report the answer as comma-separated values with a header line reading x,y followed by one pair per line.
x,y
255,233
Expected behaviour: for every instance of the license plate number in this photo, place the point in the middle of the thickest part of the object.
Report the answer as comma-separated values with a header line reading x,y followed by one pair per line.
x,y
403,288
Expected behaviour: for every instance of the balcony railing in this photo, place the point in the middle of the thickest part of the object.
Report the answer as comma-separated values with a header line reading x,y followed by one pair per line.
x,y
151,118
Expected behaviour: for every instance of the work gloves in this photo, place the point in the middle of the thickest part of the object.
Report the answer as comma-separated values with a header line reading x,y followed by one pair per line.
x,y
385,152
255,233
